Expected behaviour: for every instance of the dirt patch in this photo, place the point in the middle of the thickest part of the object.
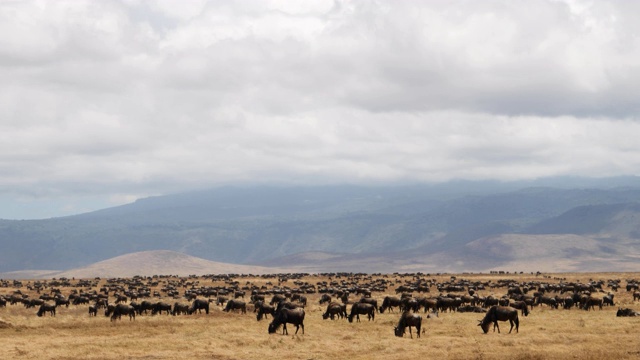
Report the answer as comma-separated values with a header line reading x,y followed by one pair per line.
x,y
5,325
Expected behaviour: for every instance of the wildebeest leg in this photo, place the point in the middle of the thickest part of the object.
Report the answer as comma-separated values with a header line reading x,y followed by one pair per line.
x,y
284,329
495,325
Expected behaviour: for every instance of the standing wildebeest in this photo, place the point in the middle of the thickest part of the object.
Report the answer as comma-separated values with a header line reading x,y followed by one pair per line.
x,y
199,304
325,298
263,309
122,309
236,305
521,305
407,320
334,309
364,309
369,300
93,310
500,313
47,308
284,316
591,302
390,302
180,309
159,307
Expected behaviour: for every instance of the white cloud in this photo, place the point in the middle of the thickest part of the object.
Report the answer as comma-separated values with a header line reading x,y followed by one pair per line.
x,y
118,99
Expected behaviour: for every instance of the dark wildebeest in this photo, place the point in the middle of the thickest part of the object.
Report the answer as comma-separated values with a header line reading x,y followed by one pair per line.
x,y
591,302
51,309
334,309
159,307
179,309
144,306
325,298
364,309
93,310
608,300
221,300
521,305
390,302
199,304
236,305
277,298
284,316
62,301
627,312
407,320
369,300
500,313
263,309
123,309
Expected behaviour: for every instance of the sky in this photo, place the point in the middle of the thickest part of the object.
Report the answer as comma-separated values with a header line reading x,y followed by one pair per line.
x,y
105,102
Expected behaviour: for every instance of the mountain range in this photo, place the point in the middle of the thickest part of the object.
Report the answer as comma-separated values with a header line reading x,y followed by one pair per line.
x,y
566,225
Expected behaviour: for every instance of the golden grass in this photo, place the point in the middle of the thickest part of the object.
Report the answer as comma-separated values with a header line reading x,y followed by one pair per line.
x,y
544,334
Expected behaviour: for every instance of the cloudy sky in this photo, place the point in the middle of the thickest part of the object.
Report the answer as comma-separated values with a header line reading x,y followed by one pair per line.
x,y
103,102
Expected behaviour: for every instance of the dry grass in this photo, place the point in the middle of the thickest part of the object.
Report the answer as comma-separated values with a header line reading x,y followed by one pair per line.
x,y
544,334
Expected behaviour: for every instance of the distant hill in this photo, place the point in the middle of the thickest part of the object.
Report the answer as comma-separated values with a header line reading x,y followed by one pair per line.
x,y
344,227
148,263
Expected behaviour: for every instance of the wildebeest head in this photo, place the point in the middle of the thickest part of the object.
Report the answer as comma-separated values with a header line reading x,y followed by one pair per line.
x,y
399,332
484,325
272,328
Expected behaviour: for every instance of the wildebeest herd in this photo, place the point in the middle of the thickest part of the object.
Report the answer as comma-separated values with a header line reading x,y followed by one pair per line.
x,y
339,296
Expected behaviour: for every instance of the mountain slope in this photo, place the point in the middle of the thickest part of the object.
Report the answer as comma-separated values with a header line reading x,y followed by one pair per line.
x,y
401,225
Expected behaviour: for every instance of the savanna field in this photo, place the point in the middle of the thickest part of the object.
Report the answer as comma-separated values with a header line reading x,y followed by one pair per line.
x,y
546,333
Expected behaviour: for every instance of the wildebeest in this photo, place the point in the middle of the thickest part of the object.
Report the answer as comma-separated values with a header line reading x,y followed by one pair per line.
x,y
263,309
591,302
334,309
93,310
627,312
199,304
364,309
51,309
284,316
521,305
500,313
144,306
179,309
123,309
407,320
236,305
368,300
390,302
325,298
159,307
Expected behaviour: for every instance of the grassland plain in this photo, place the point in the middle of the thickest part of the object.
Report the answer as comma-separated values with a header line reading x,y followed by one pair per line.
x,y
545,334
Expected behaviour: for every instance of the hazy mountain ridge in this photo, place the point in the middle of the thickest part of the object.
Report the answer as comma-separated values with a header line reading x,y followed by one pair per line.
x,y
394,226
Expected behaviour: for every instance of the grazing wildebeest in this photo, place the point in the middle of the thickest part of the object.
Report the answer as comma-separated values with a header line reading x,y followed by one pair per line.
x,y
407,320
277,298
144,306
179,309
236,305
93,310
390,302
500,313
334,309
591,302
199,304
263,309
159,307
62,301
627,312
80,300
51,309
409,303
123,309
471,308
369,300
33,303
521,305
364,309
284,316
221,300
428,304
552,302
325,298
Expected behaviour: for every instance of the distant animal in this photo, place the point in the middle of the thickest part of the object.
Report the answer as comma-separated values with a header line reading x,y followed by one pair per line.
x,y
591,302
325,298
358,309
627,312
179,309
334,309
123,309
500,313
93,310
159,307
199,305
389,302
51,309
522,306
236,305
263,309
407,320
284,316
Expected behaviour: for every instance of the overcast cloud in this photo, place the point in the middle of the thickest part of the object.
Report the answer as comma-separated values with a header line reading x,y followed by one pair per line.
x,y
103,102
